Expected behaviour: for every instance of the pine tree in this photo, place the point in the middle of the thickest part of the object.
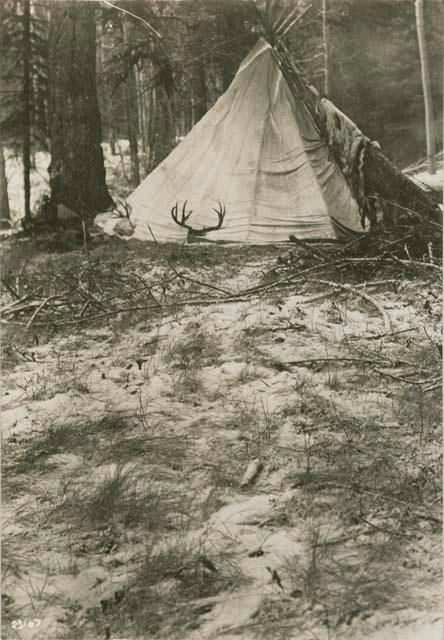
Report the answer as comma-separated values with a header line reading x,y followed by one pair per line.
x,y
77,173
24,83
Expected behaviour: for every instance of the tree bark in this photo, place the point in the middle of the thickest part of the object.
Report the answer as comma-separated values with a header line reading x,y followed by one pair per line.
x,y
77,172
5,214
26,149
141,113
325,48
132,112
199,86
426,87
132,123
229,67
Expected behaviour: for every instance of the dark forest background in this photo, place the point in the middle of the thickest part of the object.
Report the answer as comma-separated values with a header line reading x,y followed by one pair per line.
x,y
151,91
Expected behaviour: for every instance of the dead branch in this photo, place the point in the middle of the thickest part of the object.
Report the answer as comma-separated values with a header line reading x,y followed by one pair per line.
x,y
317,253
11,289
365,296
39,308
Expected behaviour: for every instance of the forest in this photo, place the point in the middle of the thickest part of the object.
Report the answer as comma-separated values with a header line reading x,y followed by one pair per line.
x,y
221,319
153,84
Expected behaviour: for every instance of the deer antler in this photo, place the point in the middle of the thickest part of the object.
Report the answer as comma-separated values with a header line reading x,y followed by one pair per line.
x,y
184,218
221,215
182,222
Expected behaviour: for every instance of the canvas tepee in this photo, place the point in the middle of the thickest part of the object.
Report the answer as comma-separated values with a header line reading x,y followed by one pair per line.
x,y
258,155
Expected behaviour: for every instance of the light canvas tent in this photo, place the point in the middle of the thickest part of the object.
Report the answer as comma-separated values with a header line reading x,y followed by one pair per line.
x,y
258,153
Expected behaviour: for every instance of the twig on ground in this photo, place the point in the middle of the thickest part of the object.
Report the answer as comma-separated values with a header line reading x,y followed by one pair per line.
x,y
365,296
317,253
417,383
378,336
39,308
11,289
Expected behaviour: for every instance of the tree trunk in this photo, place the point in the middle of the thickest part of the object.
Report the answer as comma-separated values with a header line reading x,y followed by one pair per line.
x,y
229,66
199,91
426,87
77,172
325,48
5,214
132,112
132,123
26,150
141,112
152,128
199,86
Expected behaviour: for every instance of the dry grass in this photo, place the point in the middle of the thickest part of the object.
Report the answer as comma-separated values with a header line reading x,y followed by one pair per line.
x,y
186,355
370,488
366,486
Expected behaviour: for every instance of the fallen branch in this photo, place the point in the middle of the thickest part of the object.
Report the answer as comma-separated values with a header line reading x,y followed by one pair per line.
x,y
13,306
378,336
417,383
317,253
39,308
365,296
11,290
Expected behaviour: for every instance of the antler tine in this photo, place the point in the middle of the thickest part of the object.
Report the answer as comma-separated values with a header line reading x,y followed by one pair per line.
x,y
184,216
182,219
220,212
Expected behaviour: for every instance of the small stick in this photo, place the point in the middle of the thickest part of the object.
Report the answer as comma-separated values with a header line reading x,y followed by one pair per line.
x,y
13,305
10,289
406,380
382,335
416,263
39,308
430,251
388,531
365,296
314,252
84,308
85,247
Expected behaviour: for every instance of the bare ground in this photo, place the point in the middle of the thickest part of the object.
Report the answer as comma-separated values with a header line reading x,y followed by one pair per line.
x,y
266,466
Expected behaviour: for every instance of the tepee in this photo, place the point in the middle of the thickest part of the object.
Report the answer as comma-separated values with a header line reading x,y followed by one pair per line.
x,y
254,169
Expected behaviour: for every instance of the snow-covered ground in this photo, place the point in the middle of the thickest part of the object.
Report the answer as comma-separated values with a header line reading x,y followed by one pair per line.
x,y
434,181
14,177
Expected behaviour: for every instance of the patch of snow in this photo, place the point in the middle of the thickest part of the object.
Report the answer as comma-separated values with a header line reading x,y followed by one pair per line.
x,y
14,178
433,181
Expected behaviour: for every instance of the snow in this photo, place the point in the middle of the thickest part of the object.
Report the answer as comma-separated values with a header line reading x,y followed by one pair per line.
x,y
115,177
15,179
434,181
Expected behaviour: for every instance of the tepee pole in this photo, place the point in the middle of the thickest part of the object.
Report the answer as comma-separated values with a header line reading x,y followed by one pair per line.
x,y
426,88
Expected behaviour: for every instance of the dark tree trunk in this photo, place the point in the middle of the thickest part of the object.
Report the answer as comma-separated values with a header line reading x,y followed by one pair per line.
x,y
27,109
325,48
199,91
132,112
5,214
200,97
77,172
132,118
229,66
